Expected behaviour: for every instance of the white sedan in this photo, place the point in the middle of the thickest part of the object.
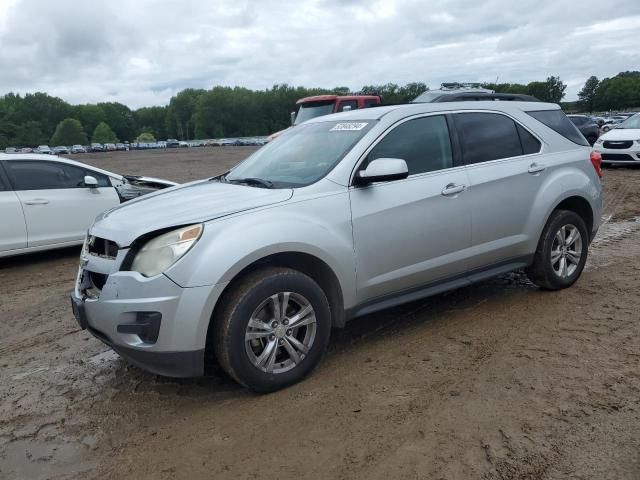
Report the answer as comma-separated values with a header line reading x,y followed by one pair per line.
x,y
49,202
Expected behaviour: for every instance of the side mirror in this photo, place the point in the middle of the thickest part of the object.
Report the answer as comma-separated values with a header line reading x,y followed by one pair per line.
x,y
293,118
90,181
383,170
346,108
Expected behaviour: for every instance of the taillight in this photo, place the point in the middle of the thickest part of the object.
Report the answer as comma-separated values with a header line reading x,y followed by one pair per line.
x,y
596,161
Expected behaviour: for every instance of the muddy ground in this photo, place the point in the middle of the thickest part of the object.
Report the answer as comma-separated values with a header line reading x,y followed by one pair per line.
x,y
497,381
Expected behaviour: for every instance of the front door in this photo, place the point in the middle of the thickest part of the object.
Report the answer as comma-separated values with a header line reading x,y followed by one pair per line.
x,y
57,207
412,232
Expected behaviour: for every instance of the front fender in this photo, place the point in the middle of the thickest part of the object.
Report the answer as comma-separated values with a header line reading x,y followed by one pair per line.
x,y
320,227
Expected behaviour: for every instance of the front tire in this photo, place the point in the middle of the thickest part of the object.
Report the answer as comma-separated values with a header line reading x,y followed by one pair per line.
x,y
272,329
561,253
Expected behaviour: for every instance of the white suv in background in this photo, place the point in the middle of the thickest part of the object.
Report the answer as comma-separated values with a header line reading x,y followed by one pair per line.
x,y
622,143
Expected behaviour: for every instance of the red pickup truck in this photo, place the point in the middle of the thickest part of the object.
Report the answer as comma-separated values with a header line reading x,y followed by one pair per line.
x,y
310,107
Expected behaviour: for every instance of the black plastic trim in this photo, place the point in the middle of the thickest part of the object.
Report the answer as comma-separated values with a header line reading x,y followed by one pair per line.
x,y
168,364
439,286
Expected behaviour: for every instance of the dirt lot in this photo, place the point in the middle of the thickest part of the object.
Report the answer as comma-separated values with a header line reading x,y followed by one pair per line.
x,y
494,381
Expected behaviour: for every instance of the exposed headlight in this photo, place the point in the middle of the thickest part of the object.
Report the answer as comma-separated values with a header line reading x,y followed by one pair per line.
x,y
161,252
599,141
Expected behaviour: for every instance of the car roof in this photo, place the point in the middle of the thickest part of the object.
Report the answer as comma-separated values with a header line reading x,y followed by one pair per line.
x,y
376,113
37,156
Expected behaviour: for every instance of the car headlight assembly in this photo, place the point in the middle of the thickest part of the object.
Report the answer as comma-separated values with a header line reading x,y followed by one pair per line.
x,y
599,141
159,253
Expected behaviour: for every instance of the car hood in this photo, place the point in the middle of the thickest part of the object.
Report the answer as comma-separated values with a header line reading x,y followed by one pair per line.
x,y
181,205
622,134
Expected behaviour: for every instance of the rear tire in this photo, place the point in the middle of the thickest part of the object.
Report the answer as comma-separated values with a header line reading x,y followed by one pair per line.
x,y
561,253
272,329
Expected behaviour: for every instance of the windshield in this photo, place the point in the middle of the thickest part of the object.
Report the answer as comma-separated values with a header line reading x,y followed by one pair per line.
x,y
632,122
301,156
313,109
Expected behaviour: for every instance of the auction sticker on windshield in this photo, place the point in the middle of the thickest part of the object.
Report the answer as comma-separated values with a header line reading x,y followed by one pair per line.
x,y
350,126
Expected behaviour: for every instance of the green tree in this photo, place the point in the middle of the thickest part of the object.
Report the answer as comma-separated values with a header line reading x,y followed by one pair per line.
x,y
69,132
551,90
120,118
89,115
153,118
104,134
145,137
587,95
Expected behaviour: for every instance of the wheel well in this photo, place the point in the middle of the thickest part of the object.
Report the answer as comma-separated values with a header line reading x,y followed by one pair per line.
x,y
580,206
311,266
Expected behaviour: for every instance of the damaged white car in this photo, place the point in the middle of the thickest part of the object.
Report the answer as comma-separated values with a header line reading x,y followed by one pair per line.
x,y
49,202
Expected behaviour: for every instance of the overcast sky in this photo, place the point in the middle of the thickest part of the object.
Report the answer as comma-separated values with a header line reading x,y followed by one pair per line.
x,y
141,52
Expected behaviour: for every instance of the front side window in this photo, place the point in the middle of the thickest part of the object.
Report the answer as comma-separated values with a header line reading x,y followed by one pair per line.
x,y
37,175
301,156
423,143
487,136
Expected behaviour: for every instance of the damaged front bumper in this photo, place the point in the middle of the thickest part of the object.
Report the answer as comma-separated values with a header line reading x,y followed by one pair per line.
x,y
151,322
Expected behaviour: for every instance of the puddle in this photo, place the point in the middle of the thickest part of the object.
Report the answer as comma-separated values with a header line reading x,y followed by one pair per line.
x,y
39,460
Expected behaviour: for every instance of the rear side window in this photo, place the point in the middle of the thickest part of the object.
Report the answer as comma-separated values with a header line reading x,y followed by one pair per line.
x,y
530,144
37,175
487,136
556,120
423,143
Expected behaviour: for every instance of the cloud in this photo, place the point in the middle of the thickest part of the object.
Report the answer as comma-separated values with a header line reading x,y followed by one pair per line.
x,y
143,52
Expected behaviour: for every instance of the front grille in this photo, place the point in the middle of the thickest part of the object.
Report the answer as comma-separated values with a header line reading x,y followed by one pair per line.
x,y
620,157
102,247
618,145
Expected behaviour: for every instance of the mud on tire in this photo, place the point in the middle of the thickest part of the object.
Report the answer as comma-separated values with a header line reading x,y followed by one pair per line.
x,y
272,329
561,253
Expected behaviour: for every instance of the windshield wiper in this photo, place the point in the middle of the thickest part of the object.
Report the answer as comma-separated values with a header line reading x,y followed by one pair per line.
x,y
252,181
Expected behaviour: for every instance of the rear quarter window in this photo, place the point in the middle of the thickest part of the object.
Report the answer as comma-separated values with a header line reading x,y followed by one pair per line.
x,y
556,120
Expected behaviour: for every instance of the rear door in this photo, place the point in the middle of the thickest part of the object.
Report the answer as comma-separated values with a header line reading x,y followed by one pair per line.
x,y
57,207
506,172
13,234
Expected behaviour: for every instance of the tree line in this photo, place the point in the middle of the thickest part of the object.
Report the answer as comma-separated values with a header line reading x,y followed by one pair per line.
x,y
38,118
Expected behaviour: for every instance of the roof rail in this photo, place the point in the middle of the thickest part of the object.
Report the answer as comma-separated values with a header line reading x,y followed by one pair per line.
x,y
457,85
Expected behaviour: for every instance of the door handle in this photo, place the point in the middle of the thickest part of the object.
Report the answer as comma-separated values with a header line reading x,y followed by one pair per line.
x,y
536,168
453,189
37,201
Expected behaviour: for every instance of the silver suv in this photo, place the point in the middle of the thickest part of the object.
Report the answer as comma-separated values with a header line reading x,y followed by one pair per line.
x,y
339,217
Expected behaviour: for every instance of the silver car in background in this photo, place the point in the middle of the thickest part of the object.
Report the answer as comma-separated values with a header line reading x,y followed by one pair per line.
x,y
342,216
